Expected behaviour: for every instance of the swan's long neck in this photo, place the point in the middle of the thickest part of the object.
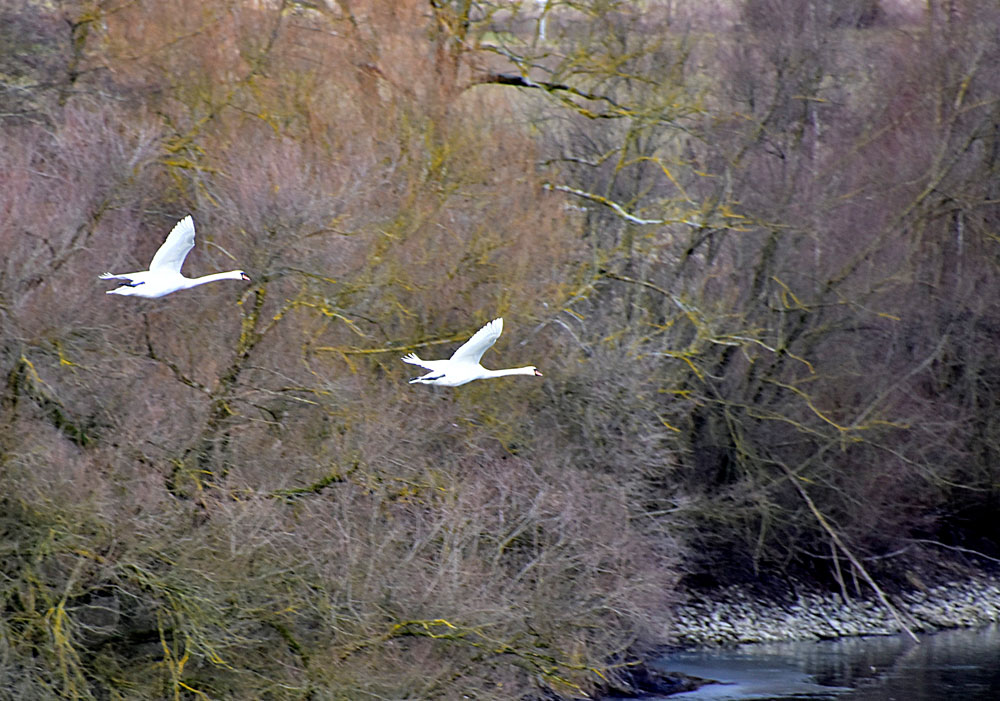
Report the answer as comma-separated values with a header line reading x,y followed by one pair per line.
x,y
527,370
229,275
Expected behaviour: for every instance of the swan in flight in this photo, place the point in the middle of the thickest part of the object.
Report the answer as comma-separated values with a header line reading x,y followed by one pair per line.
x,y
164,274
463,366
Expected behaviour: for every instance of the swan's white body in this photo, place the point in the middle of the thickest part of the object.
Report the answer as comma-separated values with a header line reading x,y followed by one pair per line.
x,y
463,366
164,274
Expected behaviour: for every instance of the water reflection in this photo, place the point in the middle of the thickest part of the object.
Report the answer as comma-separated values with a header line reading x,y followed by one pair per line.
x,y
947,665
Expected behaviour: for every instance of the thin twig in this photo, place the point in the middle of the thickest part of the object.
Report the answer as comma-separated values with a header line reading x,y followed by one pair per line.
x,y
842,546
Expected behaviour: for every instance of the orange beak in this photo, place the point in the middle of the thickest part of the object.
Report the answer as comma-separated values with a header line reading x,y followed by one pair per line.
x,y
245,277
538,374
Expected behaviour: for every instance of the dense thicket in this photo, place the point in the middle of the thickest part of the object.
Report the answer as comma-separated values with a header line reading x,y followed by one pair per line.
x,y
752,246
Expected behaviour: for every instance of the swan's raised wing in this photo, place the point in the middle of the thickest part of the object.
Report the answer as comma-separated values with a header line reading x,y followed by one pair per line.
x,y
472,350
174,250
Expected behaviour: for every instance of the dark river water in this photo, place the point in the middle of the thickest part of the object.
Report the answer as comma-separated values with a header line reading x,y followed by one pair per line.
x,y
959,664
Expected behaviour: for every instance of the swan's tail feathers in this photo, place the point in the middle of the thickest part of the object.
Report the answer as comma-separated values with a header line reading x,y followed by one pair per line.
x,y
112,276
121,290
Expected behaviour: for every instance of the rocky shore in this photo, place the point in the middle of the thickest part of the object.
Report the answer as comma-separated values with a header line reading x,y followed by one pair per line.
x,y
733,615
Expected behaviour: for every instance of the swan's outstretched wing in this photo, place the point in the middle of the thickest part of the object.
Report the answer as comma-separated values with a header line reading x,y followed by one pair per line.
x,y
412,359
174,250
472,350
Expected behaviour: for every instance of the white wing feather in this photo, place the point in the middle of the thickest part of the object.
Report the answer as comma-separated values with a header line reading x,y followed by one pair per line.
x,y
174,250
472,350
412,359
112,276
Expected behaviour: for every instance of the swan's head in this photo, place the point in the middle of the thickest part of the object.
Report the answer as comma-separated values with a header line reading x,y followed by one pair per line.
x,y
537,373
243,275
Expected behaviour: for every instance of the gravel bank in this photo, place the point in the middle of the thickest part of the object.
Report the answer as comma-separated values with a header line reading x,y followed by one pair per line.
x,y
732,616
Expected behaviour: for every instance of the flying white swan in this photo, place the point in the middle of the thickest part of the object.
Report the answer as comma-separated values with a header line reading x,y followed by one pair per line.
x,y
164,274
463,366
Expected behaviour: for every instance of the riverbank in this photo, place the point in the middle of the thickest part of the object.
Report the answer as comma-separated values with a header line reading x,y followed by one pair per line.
x,y
734,615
